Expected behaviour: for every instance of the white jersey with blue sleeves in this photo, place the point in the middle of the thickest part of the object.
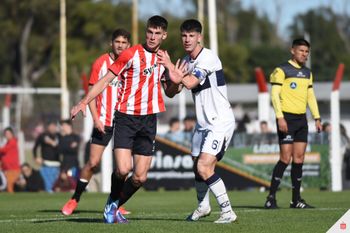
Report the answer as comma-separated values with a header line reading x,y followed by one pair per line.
x,y
210,96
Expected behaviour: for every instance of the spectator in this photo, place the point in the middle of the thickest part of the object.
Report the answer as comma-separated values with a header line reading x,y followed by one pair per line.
x,y
265,136
10,160
175,134
30,180
64,183
326,133
189,124
50,166
69,147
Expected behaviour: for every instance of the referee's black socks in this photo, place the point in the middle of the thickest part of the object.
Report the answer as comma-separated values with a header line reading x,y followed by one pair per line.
x,y
296,176
277,175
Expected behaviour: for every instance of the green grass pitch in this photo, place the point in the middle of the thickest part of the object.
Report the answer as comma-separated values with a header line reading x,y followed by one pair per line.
x,y
165,211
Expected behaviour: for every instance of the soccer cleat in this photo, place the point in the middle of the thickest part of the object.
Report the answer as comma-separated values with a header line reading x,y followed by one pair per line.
x,y
109,214
119,218
227,217
69,207
123,211
270,203
300,204
198,213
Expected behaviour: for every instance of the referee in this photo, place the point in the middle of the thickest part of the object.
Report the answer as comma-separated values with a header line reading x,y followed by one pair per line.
x,y
291,92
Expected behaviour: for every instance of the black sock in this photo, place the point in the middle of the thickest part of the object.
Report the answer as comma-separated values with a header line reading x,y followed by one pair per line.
x,y
129,189
116,186
81,185
277,175
296,175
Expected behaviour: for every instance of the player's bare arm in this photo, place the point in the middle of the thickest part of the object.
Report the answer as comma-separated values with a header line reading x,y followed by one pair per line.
x,y
93,109
93,92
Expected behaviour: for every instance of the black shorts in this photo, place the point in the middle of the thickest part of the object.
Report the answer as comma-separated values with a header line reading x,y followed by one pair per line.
x,y
297,129
135,132
100,138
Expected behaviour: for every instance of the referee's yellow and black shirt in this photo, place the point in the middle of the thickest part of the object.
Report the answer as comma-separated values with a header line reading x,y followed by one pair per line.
x,y
292,90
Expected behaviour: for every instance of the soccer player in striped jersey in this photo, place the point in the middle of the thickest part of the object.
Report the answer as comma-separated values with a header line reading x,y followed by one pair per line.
x,y
215,119
139,99
292,91
102,109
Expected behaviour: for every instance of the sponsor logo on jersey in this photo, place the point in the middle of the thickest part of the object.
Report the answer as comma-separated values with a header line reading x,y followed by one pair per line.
x,y
149,70
293,85
300,74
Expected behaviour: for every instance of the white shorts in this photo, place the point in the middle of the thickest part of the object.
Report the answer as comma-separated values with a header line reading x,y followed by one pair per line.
x,y
214,141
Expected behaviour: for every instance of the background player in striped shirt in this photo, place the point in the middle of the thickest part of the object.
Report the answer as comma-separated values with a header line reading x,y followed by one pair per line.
x,y
139,100
215,119
102,109
292,91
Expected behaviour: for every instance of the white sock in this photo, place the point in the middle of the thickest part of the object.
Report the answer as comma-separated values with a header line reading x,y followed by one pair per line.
x,y
217,186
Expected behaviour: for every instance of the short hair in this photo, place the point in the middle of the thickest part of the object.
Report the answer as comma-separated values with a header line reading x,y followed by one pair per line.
x,y
300,41
121,32
25,164
191,25
9,129
173,120
263,122
157,21
190,118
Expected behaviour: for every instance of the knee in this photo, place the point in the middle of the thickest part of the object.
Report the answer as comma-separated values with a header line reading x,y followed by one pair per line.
x,y
92,164
123,171
202,171
139,180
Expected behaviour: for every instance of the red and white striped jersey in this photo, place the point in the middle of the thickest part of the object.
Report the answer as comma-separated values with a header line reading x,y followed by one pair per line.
x,y
107,99
139,90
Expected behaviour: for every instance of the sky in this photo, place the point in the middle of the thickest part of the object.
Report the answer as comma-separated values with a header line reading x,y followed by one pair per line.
x,y
289,8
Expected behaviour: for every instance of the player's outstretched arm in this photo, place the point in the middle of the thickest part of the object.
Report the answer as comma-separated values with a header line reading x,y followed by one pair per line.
x,y
93,92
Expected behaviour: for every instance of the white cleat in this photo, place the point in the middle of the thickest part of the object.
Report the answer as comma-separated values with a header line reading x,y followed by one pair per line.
x,y
198,213
227,217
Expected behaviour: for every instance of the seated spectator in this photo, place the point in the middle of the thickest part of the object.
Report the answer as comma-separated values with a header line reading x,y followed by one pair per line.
x,y
64,183
189,124
30,180
175,134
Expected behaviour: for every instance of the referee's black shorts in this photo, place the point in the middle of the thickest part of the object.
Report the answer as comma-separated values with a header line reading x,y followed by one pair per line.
x,y
135,132
297,129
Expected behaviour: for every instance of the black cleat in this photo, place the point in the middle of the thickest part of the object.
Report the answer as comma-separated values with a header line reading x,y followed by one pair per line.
x,y
270,203
300,204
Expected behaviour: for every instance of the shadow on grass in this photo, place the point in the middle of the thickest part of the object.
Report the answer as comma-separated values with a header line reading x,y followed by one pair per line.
x,y
78,220
247,207
100,220
75,212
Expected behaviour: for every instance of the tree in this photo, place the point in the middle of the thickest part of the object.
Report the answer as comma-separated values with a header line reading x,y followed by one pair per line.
x,y
328,46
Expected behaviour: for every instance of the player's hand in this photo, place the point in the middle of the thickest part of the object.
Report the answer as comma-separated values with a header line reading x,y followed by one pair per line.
x,y
318,125
99,126
81,106
164,59
178,72
282,125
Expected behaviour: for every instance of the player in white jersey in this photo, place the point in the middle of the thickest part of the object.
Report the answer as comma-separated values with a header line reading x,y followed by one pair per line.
x,y
215,119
